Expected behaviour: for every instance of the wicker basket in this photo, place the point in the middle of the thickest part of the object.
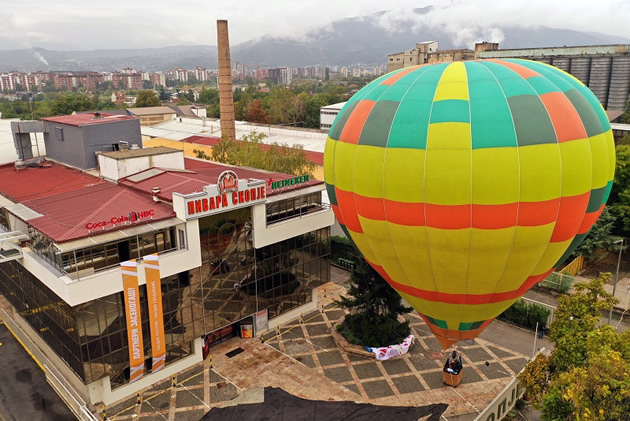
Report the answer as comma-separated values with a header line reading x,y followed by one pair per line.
x,y
452,379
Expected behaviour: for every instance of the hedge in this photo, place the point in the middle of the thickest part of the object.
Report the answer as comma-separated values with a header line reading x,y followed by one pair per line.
x,y
526,314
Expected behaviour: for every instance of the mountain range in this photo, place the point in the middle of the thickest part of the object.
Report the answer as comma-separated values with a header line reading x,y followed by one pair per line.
x,y
365,40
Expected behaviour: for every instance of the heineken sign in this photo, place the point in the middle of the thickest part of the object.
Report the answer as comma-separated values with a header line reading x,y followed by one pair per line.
x,y
289,182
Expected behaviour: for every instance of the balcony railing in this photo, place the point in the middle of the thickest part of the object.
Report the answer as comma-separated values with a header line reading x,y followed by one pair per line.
x,y
297,213
84,273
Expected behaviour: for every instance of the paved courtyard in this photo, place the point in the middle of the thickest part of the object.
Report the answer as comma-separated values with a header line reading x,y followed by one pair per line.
x,y
305,361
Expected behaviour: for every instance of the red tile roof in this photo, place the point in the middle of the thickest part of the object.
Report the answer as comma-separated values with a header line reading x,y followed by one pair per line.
x,y
204,173
75,205
45,180
68,199
93,210
315,157
202,140
87,119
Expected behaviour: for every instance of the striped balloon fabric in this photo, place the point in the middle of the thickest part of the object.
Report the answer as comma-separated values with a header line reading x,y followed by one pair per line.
x,y
466,183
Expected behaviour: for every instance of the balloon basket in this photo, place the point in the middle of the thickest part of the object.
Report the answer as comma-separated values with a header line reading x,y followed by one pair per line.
x,y
452,379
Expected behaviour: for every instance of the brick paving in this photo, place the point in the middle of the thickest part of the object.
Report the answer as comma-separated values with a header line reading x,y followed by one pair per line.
x,y
305,361
412,379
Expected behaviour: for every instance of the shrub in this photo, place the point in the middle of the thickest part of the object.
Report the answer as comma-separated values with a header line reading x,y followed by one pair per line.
x,y
526,314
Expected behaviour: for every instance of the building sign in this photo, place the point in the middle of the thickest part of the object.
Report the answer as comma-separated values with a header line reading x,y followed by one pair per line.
x,y
130,218
222,197
134,321
156,314
262,321
289,182
227,182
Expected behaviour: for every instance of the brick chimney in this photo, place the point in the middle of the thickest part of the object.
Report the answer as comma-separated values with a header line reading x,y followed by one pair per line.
x,y
485,46
226,99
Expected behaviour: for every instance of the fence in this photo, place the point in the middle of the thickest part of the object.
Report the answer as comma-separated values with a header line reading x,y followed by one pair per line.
x,y
575,266
552,309
558,281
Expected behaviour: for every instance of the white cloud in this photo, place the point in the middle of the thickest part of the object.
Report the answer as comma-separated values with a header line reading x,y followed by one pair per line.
x,y
74,24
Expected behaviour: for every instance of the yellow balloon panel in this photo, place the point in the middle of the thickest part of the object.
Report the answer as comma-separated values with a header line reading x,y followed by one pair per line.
x,y
410,244
497,167
404,174
540,171
368,182
449,251
489,254
448,177
528,247
453,83
577,173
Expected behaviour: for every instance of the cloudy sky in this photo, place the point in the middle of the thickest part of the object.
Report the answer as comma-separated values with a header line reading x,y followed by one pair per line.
x,y
78,24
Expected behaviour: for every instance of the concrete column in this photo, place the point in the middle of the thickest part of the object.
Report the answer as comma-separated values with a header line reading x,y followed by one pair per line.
x,y
226,99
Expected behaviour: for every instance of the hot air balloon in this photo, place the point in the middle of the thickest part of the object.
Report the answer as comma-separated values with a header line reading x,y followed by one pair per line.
x,y
464,184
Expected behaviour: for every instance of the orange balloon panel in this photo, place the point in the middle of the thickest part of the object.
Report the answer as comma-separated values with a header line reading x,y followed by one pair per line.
x,y
466,183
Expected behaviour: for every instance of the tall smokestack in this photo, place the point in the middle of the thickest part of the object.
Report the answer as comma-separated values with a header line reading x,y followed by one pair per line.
x,y
226,100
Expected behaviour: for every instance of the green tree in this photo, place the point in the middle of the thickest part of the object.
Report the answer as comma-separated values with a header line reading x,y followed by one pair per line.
x,y
619,200
598,237
625,117
163,96
224,151
208,96
252,152
587,376
280,103
313,105
257,113
147,98
374,309
299,107
70,102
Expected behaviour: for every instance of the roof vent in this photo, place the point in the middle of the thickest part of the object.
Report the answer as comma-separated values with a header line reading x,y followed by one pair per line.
x,y
134,146
156,191
97,115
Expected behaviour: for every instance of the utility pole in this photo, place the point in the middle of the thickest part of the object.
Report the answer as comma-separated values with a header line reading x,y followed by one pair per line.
x,y
616,276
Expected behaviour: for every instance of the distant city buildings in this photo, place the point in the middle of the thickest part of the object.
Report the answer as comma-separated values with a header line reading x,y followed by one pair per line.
x,y
126,80
280,75
130,78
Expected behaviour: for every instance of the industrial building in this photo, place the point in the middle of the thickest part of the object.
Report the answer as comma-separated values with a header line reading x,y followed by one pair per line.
x,y
605,69
237,251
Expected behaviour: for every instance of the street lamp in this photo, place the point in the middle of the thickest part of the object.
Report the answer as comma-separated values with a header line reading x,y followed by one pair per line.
x,y
616,276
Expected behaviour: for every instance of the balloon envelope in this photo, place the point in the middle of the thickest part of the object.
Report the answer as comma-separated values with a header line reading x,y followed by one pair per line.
x,y
466,183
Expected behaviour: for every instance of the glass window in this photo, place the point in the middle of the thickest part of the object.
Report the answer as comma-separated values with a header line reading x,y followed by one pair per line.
x,y
294,207
105,256
4,219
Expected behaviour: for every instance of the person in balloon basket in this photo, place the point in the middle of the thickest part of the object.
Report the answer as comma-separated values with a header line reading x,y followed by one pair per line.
x,y
453,364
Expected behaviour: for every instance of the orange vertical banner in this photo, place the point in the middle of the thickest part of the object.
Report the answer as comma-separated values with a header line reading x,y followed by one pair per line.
x,y
156,314
134,321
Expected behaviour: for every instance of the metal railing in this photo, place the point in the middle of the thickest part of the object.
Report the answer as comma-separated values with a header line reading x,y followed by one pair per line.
x,y
77,274
56,380
76,404
299,213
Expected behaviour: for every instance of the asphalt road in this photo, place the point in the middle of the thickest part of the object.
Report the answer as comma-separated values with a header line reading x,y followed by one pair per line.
x,y
24,392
